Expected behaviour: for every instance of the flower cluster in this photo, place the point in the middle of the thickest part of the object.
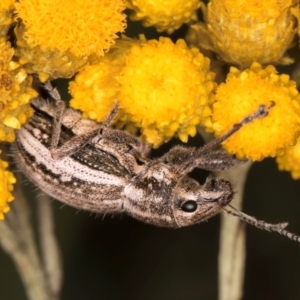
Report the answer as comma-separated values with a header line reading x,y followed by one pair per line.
x,y
53,41
15,91
15,94
163,87
7,180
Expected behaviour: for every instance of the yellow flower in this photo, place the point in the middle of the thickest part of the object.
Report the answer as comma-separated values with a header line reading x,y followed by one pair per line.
x,y
244,31
164,15
7,4
80,27
65,36
48,64
296,12
164,89
95,88
290,161
15,94
241,96
6,16
7,180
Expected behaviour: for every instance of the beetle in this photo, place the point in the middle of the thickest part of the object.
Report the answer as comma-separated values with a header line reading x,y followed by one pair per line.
x,y
94,167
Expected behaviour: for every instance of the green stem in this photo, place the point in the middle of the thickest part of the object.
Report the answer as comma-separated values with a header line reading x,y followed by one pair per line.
x,y
51,256
232,240
42,279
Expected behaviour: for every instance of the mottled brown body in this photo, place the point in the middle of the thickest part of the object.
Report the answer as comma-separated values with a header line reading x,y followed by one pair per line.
x,y
111,173
93,167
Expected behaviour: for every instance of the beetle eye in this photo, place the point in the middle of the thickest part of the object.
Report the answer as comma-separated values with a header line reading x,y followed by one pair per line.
x,y
189,206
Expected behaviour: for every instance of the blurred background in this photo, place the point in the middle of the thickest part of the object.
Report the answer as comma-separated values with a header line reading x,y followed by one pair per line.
x,y
116,257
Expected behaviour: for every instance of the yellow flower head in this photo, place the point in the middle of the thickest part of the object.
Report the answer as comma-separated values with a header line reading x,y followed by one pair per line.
x,y
241,96
163,88
66,36
164,15
7,180
48,64
245,31
95,89
290,161
80,27
6,16
15,94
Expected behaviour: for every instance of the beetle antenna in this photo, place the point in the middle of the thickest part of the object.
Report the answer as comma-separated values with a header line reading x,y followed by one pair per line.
x,y
262,224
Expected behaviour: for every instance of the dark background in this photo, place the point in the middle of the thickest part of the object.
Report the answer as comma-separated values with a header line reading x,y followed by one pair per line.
x,y
120,258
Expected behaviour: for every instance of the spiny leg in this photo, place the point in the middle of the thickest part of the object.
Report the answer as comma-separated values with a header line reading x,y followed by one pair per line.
x,y
208,158
106,123
111,116
261,112
53,92
77,142
60,108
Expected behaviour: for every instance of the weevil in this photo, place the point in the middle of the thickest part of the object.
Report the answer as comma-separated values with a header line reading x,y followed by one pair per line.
x,y
94,167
